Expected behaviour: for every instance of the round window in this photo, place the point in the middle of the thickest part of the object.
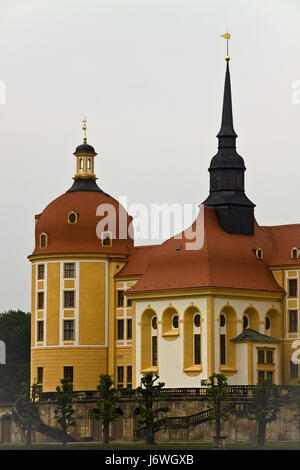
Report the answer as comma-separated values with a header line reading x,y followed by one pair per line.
x,y
268,323
72,218
175,321
197,320
245,322
222,320
154,323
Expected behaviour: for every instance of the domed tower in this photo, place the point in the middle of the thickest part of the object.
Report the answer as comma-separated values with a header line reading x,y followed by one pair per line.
x,y
81,242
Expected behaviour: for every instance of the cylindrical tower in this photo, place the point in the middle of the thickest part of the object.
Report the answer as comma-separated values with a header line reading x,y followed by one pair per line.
x,y
81,241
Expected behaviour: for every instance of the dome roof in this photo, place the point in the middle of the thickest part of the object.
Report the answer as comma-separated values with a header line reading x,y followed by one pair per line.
x,y
85,148
81,236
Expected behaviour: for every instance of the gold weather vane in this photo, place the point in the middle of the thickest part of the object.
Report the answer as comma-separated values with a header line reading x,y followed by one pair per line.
x,y
226,36
84,130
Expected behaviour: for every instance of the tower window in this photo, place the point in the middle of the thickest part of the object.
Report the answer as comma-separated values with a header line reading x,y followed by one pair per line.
x,y
40,300
69,270
80,165
120,329
120,298
69,298
68,330
120,376
40,375
293,321
89,164
129,328
293,287
68,373
40,331
129,377
106,239
41,271
43,240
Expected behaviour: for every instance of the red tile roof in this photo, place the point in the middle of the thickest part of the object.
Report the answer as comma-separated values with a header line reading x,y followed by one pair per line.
x,y
224,260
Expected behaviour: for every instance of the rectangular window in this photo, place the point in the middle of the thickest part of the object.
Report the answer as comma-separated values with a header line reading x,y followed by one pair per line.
x,y
120,329
197,349
293,370
293,320
129,376
40,300
154,350
129,302
270,357
40,331
129,328
41,271
120,371
270,376
292,287
40,372
120,298
223,349
260,356
69,270
68,373
69,298
68,329
261,376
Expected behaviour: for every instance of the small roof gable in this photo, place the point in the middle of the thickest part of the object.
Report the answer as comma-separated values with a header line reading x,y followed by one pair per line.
x,y
252,335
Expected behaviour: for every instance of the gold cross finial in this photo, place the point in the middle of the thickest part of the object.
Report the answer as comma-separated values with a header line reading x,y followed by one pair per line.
x,y
226,36
84,130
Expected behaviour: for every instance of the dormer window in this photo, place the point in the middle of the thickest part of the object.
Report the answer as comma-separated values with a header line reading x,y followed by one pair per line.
x,y
259,253
106,239
72,217
294,253
43,240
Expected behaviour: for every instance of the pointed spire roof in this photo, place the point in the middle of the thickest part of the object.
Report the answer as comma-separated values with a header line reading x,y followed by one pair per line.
x,y
227,129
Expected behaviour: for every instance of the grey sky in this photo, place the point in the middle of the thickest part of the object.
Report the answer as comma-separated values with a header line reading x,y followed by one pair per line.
x,y
149,76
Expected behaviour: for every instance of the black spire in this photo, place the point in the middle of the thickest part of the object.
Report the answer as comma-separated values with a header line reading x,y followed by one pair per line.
x,y
235,212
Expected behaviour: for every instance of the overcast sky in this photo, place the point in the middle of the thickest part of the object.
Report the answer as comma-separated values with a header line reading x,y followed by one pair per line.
x,y
149,76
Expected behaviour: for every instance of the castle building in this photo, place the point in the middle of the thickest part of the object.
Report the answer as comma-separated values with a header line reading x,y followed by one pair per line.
x,y
222,296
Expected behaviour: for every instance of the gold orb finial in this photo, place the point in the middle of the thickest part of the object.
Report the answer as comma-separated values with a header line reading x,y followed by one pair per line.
x,y
84,130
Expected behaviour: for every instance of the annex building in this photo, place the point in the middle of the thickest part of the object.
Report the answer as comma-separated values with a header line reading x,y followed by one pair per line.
x,y
102,305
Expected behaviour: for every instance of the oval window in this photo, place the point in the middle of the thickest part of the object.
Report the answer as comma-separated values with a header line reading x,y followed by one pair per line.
x,y
175,321
222,320
245,322
268,323
197,320
154,323
72,218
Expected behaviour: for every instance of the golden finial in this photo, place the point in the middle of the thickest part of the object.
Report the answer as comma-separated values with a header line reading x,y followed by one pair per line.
x,y
226,36
84,130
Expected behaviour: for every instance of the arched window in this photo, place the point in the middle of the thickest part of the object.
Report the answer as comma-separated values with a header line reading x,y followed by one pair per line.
x,y
197,339
222,339
294,253
170,324
154,341
192,341
259,253
89,163
80,163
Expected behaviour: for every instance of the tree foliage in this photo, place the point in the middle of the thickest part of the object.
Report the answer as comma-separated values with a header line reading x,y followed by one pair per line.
x,y
267,404
28,411
15,332
106,410
64,411
217,395
147,396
